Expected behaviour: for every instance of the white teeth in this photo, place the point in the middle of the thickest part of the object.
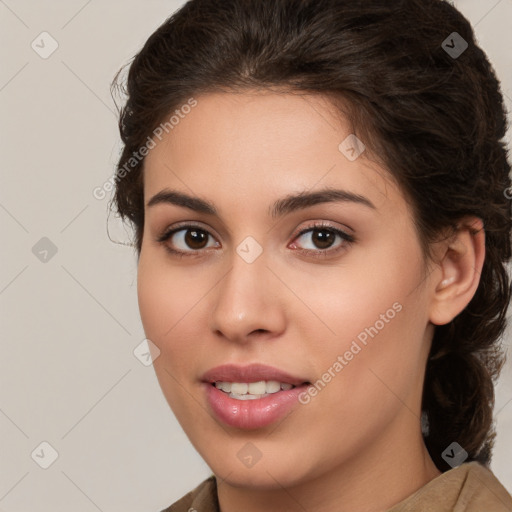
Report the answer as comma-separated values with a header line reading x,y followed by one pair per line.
x,y
224,386
273,386
239,388
252,390
256,388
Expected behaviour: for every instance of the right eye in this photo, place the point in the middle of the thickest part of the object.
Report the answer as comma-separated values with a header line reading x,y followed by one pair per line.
x,y
179,240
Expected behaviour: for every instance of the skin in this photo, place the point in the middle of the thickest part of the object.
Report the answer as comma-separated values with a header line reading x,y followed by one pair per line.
x,y
291,310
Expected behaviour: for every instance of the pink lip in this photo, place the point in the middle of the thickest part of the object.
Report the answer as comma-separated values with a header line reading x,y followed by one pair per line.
x,y
250,414
250,373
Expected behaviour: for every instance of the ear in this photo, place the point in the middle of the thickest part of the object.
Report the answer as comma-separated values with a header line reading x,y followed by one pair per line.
x,y
460,266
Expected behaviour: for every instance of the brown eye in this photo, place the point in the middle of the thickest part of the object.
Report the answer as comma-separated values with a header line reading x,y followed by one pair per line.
x,y
187,240
322,238
195,238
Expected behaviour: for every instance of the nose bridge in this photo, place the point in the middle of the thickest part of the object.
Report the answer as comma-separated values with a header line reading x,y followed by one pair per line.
x,y
243,303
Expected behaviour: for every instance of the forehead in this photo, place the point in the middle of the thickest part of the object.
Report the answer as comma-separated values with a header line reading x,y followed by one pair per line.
x,y
257,143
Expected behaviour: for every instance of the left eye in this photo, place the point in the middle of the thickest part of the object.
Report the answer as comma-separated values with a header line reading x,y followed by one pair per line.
x,y
323,238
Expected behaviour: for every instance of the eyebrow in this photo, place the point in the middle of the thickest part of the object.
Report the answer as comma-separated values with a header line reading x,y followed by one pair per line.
x,y
281,207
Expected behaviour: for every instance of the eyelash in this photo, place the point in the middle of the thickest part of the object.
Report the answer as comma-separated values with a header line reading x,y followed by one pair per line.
x,y
317,226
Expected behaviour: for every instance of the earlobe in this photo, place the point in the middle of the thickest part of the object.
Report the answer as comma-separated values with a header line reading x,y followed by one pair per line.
x,y
460,267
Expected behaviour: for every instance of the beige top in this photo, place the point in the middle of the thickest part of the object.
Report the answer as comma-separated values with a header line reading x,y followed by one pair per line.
x,y
470,487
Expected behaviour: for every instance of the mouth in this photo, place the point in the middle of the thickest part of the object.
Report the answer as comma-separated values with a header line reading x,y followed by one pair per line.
x,y
251,396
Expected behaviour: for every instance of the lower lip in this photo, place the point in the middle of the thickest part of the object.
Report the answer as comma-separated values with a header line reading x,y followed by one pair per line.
x,y
252,414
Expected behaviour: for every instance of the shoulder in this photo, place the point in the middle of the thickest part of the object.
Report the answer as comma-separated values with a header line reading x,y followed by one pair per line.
x,y
483,491
471,487
201,499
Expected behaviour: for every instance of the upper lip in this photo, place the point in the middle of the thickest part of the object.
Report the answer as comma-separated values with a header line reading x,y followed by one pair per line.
x,y
250,373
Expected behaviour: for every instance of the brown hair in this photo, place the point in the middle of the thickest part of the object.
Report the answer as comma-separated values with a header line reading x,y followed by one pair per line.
x,y
435,119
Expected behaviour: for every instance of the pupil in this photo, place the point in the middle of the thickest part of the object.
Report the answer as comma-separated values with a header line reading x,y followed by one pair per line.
x,y
196,239
323,240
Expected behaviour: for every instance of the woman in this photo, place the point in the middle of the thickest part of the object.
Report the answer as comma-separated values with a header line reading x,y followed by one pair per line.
x,y
318,192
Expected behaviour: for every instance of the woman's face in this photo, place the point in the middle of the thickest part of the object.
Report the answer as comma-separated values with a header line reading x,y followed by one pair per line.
x,y
339,311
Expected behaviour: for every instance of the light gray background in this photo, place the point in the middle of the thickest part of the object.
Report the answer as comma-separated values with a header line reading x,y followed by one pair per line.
x,y
70,325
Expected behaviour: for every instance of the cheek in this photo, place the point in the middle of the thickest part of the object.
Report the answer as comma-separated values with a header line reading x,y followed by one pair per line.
x,y
172,305
163,305
163,296
375,310
381,367
360,295
155,299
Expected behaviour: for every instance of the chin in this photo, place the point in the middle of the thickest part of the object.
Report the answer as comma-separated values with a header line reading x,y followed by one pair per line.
x,y
278,471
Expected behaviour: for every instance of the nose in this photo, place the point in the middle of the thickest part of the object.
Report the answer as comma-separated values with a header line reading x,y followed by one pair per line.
x,y
248,302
